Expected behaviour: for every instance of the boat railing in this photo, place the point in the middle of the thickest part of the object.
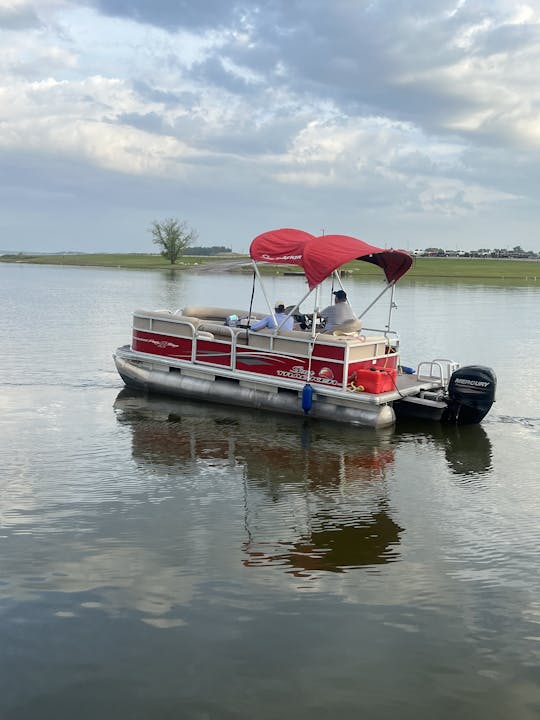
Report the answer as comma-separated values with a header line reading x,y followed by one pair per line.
x,y
392,335
391,338
219,333
287,343
439,370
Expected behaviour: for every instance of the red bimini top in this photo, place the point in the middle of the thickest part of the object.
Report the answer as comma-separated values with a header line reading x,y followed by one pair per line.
x,y
320,256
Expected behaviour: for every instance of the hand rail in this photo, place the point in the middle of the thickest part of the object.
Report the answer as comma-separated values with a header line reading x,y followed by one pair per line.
x,y
443,366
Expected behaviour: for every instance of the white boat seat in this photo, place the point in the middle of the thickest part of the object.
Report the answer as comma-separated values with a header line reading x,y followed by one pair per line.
x,y
217,314
217,329
165,321
349,327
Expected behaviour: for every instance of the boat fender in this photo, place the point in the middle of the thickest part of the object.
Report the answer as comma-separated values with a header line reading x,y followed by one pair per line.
x,y
406,370
307,398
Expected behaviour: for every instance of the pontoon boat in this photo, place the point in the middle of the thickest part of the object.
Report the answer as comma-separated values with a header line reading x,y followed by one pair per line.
x,y
350,374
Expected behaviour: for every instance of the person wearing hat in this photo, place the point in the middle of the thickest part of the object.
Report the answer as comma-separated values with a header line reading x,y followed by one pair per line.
x,y
338,313
280,315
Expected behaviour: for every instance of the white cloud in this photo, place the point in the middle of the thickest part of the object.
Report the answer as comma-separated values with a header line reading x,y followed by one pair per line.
x,y
80,119
334,105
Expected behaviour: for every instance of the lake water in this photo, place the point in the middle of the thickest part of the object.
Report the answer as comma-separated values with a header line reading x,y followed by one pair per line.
x,y
163,559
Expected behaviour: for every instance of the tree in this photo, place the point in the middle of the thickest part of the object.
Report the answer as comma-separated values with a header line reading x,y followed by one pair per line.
x,y
213,250
173,236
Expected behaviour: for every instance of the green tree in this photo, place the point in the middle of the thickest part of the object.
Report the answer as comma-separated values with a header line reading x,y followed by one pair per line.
x,y
173,236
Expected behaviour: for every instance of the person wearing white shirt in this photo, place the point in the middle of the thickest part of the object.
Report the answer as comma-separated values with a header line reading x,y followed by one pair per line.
x,y
280,315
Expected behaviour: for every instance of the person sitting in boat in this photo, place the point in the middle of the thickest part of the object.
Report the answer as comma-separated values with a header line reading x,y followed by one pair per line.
x,y
340,312
280,315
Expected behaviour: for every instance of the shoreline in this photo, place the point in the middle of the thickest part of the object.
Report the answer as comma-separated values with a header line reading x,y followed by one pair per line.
x,y
503,270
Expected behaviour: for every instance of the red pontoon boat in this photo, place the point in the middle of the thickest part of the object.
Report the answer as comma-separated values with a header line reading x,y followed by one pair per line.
x,y
349,374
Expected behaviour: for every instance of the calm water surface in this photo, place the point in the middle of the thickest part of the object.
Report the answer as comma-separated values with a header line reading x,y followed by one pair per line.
x,y
165,559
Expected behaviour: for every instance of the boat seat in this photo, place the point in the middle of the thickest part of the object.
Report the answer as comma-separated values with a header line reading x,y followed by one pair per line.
x,y
217,329
349,327
218,314
339,338
165,314
165,321
179,327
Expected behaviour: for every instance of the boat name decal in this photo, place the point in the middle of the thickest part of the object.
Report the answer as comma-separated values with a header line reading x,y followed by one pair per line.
x,y
160,343
281,257
297,372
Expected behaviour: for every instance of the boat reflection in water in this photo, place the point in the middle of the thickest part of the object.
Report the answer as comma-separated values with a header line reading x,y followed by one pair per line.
x,y
332,498
467,451
314,493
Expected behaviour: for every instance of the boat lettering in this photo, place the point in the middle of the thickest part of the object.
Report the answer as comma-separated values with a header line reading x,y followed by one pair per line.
x,y
474,383
297,372
281,257
160,343
324,381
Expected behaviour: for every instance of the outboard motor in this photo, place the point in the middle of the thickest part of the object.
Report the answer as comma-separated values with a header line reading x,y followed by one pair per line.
x,y
471,393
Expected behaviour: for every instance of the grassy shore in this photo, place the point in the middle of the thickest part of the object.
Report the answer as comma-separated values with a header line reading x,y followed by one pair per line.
x,y
423,268
132,260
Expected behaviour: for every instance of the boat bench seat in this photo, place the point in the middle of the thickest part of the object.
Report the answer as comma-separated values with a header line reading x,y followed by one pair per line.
x,y
219,329
165,321
218,314
349,327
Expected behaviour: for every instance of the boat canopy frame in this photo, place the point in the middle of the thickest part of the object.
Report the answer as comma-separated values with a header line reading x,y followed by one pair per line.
x,y
321,257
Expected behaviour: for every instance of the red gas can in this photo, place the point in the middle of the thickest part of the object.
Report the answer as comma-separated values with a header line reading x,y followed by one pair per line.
x,y
376,380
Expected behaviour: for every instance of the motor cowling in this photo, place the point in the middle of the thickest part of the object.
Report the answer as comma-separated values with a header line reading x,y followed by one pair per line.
x,y
471,393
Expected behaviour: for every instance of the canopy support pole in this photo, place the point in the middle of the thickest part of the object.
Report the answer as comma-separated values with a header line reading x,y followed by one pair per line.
x,y
270,307
379,296
392,305
295,307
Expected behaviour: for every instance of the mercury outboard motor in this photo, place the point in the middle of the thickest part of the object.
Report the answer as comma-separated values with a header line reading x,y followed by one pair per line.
x,y
471,393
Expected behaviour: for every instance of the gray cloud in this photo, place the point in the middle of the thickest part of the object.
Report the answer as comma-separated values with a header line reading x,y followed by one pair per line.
x,y
164,97
170,14
19,18
376,58
214,72
149,122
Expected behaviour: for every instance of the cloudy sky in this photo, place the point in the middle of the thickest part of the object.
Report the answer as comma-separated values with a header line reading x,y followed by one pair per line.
x,y
405,123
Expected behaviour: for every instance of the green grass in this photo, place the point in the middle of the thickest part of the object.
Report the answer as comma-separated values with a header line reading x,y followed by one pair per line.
x,y
459,269
502,270
131,260
474,268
